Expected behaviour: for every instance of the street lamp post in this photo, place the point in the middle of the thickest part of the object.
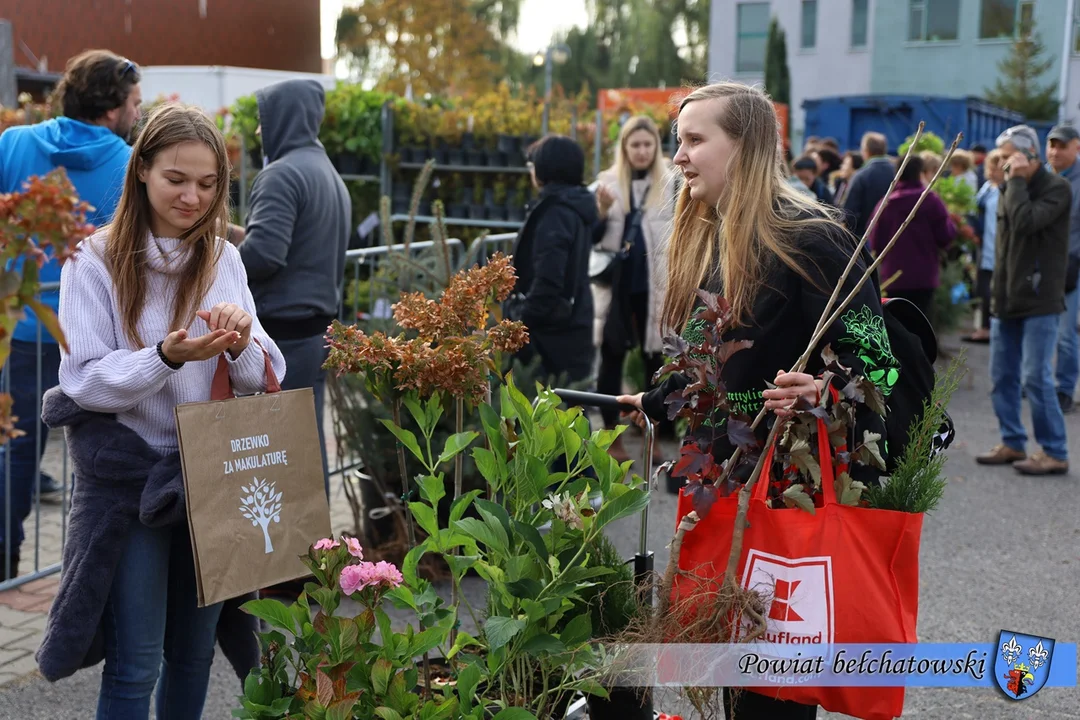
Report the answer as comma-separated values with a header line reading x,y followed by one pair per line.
x,y
554,55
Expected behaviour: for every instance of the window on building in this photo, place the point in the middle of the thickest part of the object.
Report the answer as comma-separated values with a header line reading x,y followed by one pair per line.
x,y
809,25
933,20
860,21
1003,18
753,33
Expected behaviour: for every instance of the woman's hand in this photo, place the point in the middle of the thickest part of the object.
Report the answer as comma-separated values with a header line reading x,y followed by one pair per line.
x,y
605,198
790,387
233,319
636,416
179,348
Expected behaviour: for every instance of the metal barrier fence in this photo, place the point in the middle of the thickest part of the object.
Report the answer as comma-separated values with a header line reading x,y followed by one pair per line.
x,y
46,525
45,528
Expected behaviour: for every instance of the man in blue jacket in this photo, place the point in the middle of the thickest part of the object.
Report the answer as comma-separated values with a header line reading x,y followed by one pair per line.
x,y
869,184
1062,147
100,98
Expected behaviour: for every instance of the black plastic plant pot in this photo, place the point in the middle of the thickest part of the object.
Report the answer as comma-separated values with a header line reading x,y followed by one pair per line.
x,y
455,156
442,156
442,675
508,143
402,190
496,212
477,158
622,703
400,206
515,214
496,158
459,211
468,141
477,212
347,164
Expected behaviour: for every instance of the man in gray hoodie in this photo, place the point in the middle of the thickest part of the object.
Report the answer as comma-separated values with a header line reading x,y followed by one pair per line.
x,y
296,235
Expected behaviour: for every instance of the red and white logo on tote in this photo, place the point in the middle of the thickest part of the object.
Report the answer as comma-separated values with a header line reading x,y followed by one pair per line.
x,y
800,593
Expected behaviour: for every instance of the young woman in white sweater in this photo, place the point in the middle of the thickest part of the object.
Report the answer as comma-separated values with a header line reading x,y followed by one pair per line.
x,y
148,305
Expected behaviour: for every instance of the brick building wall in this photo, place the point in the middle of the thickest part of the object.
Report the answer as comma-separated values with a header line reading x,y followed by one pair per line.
x,y
269,34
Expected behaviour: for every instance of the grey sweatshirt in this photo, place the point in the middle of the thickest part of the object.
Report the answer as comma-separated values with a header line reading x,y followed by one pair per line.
x,y
298,225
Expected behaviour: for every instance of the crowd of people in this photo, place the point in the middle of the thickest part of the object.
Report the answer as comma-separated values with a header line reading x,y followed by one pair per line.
x,y
167,285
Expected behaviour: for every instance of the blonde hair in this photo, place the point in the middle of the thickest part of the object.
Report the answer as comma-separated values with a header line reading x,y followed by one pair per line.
x,y
962,159
757,220
995,157
931,161
125,246
657,172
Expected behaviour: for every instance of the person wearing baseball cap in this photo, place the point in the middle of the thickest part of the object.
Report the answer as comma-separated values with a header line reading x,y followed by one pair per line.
x,y
1028,298
1062,146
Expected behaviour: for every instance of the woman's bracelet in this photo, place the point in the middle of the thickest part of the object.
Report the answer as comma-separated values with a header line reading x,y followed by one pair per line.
x,y
169,363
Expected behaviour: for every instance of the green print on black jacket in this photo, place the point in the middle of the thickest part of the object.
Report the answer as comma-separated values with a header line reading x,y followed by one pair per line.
x,y
786,311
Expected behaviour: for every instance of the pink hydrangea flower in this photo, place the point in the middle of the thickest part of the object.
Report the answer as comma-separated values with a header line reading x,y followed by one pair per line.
x,y
387,574
366,574
352,579
354,547
327,544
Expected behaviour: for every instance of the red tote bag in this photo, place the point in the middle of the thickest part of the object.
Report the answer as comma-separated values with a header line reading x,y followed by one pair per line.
x,y
842,575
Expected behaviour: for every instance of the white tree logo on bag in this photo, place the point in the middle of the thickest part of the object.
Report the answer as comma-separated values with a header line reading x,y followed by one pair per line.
x,y
260,505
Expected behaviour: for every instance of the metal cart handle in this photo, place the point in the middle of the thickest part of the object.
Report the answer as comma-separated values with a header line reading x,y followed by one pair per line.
x,y
643,561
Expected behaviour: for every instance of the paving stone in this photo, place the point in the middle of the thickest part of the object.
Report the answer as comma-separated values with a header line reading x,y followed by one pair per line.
x,y
22,667
30,643
10,617
36,622
43,584
10,655
19,600
11,635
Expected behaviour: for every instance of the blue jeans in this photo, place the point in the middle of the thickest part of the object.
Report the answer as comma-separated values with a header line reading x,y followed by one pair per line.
x,y
304,360
21,457
154,631
1068,346
1022,351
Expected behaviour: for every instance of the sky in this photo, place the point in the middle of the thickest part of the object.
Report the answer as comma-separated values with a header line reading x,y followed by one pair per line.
x,y
539,20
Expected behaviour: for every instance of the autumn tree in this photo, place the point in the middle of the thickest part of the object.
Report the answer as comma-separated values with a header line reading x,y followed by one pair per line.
x,y
1018,87
442,46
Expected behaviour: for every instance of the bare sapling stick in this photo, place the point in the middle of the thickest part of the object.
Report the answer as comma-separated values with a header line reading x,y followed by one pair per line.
x,y
747,489
854,259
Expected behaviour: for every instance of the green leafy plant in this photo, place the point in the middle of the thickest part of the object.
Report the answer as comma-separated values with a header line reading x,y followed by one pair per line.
x,y
538,630
927,141
319,665
918,484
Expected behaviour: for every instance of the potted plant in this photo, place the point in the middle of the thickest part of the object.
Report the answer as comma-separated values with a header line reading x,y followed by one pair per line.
x,y
538,633
318,663
613,606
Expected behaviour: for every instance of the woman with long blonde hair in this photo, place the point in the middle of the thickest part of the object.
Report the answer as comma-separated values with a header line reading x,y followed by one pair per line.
x,y
742,231
635,204
149,305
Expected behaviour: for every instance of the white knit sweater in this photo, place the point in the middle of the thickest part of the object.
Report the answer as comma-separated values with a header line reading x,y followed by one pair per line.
x,y
104,372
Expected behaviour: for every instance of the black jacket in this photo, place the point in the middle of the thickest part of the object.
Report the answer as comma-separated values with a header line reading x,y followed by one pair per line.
x,y
300,218
867,188
551,256
1032,246
785,313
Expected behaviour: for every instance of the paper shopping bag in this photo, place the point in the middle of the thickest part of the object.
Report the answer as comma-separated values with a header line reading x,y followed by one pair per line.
x,y
842,575
253,477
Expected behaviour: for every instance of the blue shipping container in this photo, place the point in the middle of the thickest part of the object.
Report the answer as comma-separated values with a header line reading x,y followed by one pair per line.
x,y
847,118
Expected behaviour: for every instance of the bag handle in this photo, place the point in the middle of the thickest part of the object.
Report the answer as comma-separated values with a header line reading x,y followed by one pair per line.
x,y
221,386
825,460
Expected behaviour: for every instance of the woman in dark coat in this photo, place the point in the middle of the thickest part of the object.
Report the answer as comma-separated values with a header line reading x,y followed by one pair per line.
x,y
551,256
